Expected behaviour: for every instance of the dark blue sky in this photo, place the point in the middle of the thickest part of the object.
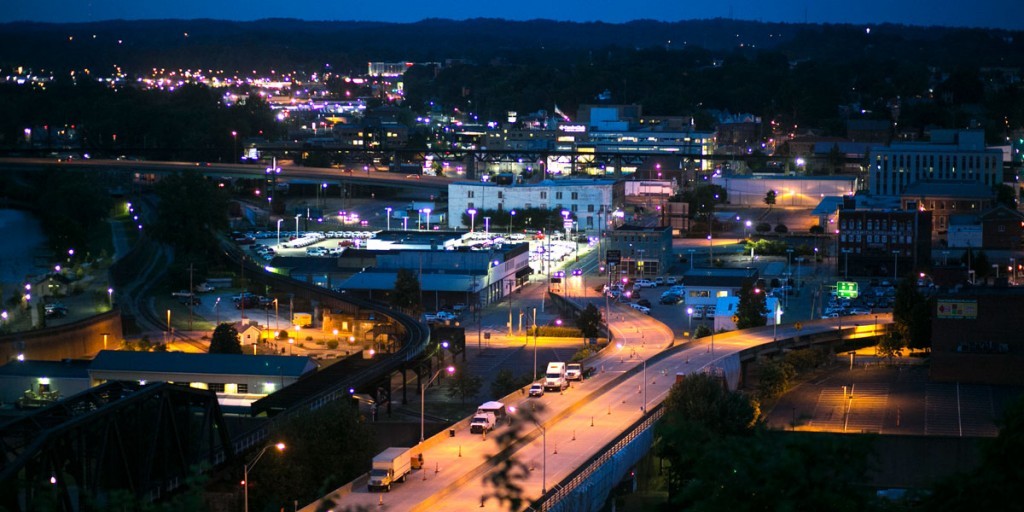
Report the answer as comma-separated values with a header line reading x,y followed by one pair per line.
x,y
1008,14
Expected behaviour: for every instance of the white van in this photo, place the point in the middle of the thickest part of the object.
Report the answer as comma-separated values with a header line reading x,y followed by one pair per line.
x,y
554,378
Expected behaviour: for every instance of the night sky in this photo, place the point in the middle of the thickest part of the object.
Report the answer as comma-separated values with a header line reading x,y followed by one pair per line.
x,y
1007,14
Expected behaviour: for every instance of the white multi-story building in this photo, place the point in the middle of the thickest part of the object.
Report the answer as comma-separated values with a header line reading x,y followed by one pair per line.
x,y
951,155
590,200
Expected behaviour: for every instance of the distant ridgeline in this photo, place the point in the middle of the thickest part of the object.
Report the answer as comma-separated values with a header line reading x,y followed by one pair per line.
x,y
347,46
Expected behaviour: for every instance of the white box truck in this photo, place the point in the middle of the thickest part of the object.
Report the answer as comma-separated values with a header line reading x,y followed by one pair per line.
x,y
389,466
554,378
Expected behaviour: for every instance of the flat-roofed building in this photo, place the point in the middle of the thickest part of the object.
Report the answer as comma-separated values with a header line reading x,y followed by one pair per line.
x,y
704,286
237,379
951,155
590,200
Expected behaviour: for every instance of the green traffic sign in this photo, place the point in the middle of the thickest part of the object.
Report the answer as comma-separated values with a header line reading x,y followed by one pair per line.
x,y
847,289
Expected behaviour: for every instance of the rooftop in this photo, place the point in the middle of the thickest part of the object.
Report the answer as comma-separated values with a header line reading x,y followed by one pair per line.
x,y
67,369
216,364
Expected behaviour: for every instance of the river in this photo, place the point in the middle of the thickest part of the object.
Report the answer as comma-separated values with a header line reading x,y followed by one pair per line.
x,y
23,238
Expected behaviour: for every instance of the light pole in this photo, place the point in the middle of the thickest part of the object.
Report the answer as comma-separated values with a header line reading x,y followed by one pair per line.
x,y
789,273
689,325
405,223
234,155
487,224
423,396
534,344
427,212
691,251
544,463
387,210
644,408
746,230
472,219
297,225
216,311
511,217
110,297
279,221
248,467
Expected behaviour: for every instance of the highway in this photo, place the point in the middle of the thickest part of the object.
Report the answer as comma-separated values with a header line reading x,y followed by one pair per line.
x,y
234,170
578,423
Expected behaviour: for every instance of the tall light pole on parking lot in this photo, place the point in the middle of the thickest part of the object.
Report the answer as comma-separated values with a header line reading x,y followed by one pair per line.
x,y
423,396
279,221
387,210
297,217
472,219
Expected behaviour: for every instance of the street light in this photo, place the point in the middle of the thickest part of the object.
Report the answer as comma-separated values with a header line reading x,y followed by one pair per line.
x,y
234,155
110,297
423,397
689,313
472,219
248,467
534,344
216,310
279,221
511,218
746,231
691,251
427,212
487,224
297,225
388,211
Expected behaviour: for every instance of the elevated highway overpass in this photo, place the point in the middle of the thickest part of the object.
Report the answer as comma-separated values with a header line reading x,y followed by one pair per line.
x,y
585,440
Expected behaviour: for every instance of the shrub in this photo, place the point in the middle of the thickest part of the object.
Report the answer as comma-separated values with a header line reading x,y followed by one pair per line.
x,y
332,344
556,332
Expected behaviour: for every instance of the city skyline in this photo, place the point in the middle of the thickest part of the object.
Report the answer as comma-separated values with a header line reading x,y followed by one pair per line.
x,y
1003,14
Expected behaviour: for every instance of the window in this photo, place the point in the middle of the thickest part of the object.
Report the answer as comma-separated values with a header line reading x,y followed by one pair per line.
x,y
217,387
243,389
590,208
574,207
558,195
575,195
470,205
469,194
543,195
501,195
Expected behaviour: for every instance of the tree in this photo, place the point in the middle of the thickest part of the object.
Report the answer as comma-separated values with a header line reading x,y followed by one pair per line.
x,y
763,227
891,346
774,377
701,331
817,230
225,340
911,312
752,307
406,294
1005,195
781,229
769,198
324,449
464,384
506,382
589,321
190,211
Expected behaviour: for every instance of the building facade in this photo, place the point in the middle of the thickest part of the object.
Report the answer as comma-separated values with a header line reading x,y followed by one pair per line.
x,y
951,155
590,200
946,199
976,336
882,242
645,251
704,286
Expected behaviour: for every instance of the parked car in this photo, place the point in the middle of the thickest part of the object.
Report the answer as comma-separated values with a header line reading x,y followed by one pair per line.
x,y
645,283
536,389
204,287
659,281
642,309
670,298
645,303
671,281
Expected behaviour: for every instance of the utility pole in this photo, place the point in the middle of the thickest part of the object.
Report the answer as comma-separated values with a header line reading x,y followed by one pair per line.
x,y
191,296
